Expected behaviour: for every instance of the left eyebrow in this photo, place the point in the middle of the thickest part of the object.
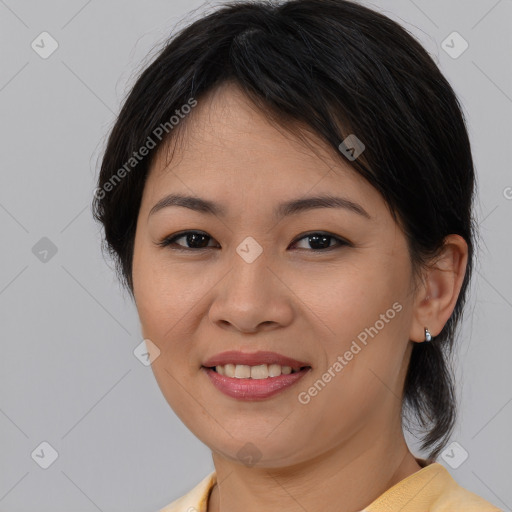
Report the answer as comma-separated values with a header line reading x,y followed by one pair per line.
x,y
300,205
287,208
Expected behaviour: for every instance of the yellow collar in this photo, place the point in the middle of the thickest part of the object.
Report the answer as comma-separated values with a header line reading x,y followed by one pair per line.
x,y
432,489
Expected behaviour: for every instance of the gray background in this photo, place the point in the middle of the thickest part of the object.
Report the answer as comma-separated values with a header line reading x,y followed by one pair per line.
x,y
68,373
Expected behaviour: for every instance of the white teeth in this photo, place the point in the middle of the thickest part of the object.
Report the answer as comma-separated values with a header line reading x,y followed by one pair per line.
x,y
229,370
261,371
274,370
242,371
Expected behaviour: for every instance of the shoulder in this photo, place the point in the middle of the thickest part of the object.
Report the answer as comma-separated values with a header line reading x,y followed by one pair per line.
x,y
432,488
456,497
462,499
196,500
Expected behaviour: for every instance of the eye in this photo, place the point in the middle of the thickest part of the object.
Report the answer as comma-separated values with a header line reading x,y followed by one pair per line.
x,y
322,241
194,238
197,240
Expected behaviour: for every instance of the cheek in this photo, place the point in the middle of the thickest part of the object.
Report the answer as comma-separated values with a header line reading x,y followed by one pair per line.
x,y
348,298
165,304
365,311
163,293
170,307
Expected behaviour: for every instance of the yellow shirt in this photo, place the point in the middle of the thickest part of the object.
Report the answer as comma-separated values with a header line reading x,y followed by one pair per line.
x,y
431,489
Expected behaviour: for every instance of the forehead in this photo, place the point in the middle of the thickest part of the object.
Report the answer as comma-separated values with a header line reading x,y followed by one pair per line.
x,y
229,145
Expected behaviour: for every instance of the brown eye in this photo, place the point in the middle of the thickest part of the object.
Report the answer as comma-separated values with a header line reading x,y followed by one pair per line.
x,y
193,239
322,241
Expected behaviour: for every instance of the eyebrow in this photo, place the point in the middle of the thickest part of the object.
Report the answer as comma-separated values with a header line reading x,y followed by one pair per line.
x,y
287,208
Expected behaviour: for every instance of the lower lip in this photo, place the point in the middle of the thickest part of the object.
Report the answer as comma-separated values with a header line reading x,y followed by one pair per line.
x,y
253,389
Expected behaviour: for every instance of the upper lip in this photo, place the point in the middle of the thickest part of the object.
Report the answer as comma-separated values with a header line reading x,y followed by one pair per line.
x,y
253,359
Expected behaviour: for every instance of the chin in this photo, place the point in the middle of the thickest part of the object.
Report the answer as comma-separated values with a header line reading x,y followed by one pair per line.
x,y
258,450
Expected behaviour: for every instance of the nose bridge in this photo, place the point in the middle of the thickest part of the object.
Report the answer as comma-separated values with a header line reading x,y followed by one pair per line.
x,y
251,294
250,275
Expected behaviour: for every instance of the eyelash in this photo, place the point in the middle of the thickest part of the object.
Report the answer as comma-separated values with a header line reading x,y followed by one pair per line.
x,y
170,240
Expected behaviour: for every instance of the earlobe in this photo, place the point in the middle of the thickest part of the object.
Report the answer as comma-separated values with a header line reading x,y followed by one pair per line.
x,y
436,298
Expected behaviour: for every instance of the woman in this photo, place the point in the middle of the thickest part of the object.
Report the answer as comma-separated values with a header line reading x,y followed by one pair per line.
x,y
288,195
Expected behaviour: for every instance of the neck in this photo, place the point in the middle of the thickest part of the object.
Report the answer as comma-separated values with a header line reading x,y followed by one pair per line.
x,y
346,479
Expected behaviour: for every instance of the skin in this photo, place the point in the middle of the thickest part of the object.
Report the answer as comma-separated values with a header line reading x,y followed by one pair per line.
x,y
345,447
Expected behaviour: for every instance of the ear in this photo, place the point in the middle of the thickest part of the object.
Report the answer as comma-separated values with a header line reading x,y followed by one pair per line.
x,y
438,293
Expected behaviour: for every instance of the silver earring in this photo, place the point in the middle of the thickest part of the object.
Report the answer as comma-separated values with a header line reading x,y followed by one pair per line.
x,y
428,336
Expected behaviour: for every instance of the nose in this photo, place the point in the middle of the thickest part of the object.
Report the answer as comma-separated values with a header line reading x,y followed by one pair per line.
x,y
252,297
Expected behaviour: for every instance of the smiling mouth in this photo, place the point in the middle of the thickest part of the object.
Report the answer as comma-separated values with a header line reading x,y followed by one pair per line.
x,y
256,372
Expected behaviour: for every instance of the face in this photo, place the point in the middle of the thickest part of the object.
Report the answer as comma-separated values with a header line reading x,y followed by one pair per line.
x,y
327,286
